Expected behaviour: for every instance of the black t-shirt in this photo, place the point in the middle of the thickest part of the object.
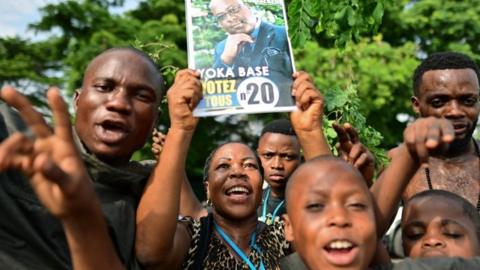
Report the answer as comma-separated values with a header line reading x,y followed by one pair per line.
x,y
271,205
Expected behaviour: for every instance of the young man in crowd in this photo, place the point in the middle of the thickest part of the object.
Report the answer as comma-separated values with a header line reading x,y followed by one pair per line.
x,y
48,193
279,152
446,85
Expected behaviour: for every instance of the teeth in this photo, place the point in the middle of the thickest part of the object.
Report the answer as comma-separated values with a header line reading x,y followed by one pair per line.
x,y
237,190
340,244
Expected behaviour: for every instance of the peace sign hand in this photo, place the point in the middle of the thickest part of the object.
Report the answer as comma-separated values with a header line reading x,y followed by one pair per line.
x,y
50,160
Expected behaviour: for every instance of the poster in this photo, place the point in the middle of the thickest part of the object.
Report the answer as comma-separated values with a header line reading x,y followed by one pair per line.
x,y
242,51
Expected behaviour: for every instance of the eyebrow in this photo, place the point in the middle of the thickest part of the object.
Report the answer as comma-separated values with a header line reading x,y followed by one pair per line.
x,y
327,191
416,223
445,222
132,84
230,159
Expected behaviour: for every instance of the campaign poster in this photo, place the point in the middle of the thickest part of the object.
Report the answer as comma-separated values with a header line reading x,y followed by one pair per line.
x,y
243,53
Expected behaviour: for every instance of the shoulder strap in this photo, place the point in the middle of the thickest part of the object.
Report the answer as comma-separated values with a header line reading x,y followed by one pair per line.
x,y
206,230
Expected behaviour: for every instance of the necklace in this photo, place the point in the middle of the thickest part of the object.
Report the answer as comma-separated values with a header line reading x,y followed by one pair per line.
x,y
429,180
264,217
239,251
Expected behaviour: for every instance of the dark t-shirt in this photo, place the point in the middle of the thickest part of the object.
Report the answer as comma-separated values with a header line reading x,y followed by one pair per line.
x,y
271,205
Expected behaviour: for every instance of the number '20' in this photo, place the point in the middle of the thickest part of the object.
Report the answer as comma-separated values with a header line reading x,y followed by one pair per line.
x,y
266,93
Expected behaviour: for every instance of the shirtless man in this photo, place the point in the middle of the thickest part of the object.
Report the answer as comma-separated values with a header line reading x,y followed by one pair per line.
x,y
446,85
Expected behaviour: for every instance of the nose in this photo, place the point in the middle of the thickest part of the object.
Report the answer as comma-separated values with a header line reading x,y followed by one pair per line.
x,y
237,170
432,241
277,162
338,217
454,110
119,101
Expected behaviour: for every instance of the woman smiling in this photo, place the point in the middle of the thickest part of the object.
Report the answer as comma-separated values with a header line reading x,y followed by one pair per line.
x,y
230,237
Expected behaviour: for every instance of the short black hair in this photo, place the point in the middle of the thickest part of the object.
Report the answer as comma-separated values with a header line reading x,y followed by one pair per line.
x,y
281,126
442,60
140,53
208,161
469,209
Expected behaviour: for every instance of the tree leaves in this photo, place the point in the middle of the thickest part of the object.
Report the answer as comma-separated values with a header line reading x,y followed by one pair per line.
x,y
344,21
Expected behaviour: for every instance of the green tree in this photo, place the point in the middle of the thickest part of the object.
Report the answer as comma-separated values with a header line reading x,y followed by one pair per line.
x,y
361,53
372,67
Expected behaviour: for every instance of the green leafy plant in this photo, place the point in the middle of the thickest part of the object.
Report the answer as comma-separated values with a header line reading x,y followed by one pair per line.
x,y
343,106
343,21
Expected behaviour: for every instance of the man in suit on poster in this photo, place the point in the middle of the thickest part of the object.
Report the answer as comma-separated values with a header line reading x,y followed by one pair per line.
x,y
252,42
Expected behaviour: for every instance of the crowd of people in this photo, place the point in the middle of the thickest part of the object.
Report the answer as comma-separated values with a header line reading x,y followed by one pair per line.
x,y
71,197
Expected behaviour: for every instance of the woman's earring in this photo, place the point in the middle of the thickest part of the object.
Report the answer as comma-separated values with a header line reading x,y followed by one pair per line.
x,y
209,202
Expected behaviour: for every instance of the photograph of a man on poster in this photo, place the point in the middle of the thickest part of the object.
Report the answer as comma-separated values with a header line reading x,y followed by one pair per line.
x,y
242,51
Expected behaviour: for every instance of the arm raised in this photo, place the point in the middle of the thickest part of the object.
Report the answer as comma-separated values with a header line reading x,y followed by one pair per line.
x,y
421,138
161,242
307,119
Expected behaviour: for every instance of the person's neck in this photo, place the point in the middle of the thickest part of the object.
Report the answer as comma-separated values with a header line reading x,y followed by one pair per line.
x,y
277,193
114,162
458,152
239,231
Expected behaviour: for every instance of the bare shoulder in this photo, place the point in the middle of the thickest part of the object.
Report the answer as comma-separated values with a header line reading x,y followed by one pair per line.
x,y
417,184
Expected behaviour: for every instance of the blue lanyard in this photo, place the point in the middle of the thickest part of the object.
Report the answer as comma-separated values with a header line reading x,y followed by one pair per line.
x,y
264,208
237,250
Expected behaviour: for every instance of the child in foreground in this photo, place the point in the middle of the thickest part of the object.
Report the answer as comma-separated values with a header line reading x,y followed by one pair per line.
x,y
439,223
336,222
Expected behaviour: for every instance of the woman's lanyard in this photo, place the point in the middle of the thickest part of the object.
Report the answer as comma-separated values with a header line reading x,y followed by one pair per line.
x,y
237,250
264,209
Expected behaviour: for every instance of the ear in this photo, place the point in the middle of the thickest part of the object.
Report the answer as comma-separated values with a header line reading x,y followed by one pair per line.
x,y
415,104
288,228
205,184
75,98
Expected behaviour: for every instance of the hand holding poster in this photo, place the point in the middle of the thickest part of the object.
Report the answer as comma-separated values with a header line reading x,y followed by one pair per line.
x,y
242,52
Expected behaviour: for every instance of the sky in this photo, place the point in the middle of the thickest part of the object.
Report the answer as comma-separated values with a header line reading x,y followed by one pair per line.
x,y
17,14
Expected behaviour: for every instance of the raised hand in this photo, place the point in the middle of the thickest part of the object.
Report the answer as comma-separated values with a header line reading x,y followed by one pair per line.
x,y
354,152
428,135
159,241
183,97
309,102
307,119
158,140
58,176
53,164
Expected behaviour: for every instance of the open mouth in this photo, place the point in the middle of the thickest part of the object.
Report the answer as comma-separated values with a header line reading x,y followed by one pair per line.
x,y
340,252
111,132
460,125
460,128
238,194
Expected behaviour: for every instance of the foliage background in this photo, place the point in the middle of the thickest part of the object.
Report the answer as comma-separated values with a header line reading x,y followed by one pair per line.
x,y
360,52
